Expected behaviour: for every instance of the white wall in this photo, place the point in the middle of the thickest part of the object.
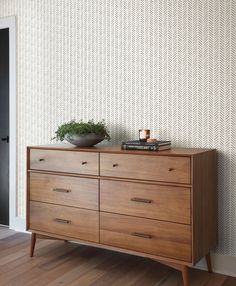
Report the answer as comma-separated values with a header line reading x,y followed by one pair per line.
x,y
167,65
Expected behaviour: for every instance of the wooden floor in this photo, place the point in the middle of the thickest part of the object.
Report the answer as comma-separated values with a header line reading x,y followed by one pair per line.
x,y
70,264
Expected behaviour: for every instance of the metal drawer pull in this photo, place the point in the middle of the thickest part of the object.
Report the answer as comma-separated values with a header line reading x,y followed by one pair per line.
x,y
62,220
139,200
143,235
115,165
62,190
84,162
41,160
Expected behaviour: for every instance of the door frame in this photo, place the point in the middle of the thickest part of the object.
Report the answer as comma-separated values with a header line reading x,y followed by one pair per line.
x,y
15,222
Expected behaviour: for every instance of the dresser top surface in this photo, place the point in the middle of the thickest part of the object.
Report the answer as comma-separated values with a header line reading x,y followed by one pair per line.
x,y
117,150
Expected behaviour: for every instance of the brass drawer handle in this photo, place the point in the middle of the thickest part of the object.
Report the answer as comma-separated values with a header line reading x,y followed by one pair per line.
x,y
62,220
140,200
61,190
41,160
114,165
142,235
84,163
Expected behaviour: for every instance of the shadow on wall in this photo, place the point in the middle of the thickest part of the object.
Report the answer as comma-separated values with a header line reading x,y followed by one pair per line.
x,y
226,166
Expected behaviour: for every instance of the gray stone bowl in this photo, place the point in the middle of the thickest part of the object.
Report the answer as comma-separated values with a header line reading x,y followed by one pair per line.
x,y
86,140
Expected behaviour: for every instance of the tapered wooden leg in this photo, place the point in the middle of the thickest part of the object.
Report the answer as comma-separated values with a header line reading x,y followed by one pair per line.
x,y
208,261
185,275
32,246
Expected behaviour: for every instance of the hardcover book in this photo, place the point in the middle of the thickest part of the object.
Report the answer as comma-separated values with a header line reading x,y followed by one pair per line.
x,y
139,145
143,147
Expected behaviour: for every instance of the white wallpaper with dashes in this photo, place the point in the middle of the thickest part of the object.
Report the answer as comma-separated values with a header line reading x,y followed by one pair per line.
x,y
167,65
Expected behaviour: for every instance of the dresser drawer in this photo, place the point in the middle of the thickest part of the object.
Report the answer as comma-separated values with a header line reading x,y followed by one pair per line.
x,y
146,200
145,235
61,220
64,190
157,168
64,161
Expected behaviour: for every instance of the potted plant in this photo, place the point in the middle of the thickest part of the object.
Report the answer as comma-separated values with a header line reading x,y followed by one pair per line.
x,y
82,134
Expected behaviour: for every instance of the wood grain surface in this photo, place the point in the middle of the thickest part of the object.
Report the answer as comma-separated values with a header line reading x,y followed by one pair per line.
x,y
67,221
59,161
204,201
64,190
185,152
157,168
146,235
148,201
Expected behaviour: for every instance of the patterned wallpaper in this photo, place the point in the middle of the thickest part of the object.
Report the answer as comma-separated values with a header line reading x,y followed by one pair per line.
x,y
167,65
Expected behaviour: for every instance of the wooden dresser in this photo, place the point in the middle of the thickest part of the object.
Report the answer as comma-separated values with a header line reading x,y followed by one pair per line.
x,y
161,205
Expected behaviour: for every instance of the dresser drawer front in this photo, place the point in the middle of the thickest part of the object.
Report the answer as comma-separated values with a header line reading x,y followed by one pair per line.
x,y
64,190
146,200
144,167
61,220
148,236
64,161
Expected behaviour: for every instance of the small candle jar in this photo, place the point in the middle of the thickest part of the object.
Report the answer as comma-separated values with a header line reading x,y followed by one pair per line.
x,y
144,134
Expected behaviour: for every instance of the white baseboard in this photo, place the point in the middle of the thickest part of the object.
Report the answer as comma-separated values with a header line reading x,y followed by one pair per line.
x,y
222,264
18,224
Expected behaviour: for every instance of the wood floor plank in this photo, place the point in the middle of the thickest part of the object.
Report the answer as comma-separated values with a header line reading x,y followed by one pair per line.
x,y
217,280
135,273
22,259
130,275
173,278
5,231
97,270
83,267
114,273
68,264
47,250
62,265
230,281
50,272
153,274
31,268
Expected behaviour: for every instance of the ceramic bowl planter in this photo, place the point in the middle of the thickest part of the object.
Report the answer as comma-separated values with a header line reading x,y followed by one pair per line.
x,y
85,140
82,134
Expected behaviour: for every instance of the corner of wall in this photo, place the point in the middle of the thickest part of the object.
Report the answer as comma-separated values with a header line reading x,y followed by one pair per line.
x,y
222,264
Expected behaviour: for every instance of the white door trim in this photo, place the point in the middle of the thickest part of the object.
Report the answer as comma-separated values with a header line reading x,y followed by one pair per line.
x,y
14,221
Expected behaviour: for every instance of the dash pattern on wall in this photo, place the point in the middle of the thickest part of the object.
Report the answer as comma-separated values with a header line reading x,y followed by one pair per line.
x,y
164,65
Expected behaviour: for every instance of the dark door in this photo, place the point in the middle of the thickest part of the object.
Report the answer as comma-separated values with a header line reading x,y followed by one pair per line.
x,y
4,126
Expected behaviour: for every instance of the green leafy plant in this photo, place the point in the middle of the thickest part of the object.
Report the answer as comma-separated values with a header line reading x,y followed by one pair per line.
x,y
81,128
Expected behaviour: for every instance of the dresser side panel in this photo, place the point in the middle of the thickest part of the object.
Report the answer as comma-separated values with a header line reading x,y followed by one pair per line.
x,y
204,203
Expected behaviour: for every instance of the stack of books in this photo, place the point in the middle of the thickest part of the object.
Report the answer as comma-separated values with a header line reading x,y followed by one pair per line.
x,y
140,145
